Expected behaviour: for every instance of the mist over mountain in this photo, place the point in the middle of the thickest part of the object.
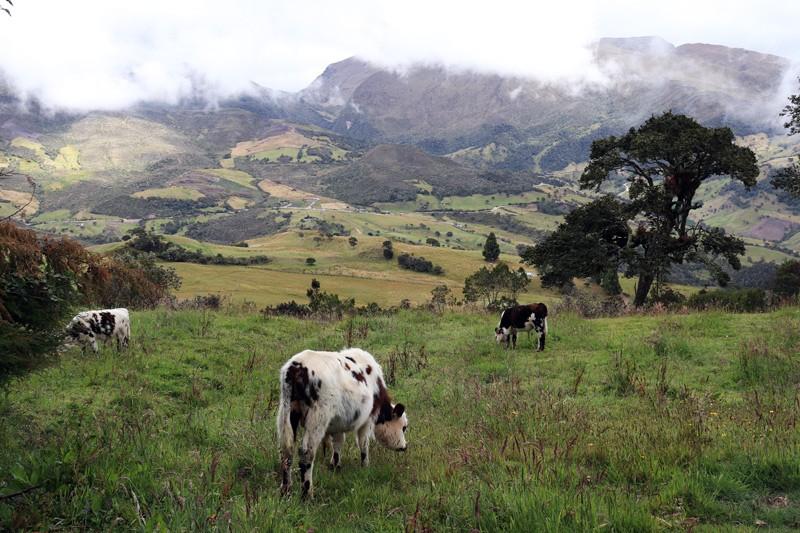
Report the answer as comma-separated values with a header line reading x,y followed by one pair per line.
x,y
483,120
367,134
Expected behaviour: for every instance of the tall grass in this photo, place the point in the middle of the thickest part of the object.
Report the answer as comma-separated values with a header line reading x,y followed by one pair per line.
x,y
641,423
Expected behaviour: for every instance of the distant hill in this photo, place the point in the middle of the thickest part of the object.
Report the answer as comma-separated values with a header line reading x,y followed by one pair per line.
x,y
528,123
362,134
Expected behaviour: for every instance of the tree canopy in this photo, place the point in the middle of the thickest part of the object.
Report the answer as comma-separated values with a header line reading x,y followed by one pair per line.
x,y
788,178
587,244
664,161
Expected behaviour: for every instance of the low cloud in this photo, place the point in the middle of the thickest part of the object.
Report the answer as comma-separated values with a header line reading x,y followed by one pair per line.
x,y
97,54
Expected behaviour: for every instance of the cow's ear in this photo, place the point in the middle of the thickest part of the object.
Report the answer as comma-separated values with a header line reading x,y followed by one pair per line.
x,y
399,409
385,413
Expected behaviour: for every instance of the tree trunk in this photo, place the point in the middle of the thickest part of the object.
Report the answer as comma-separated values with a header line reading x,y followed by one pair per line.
x,y
643,289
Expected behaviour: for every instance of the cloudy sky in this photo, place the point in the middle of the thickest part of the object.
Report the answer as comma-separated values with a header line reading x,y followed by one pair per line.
x,y
111,53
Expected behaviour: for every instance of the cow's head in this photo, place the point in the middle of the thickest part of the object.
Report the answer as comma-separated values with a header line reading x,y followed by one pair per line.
x,y
391,430
500,335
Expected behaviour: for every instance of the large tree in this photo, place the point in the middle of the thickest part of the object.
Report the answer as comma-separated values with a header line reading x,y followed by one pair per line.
x,y
665,161
788,178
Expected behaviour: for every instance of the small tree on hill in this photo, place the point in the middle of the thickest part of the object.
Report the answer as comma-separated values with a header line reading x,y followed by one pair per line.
x,y
665,161
496,287
388,251
491,250
441,297
310,261
352,241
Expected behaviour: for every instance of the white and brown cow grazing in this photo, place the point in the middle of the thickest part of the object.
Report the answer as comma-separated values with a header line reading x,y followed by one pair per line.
x,y
103,324
522,318
330,394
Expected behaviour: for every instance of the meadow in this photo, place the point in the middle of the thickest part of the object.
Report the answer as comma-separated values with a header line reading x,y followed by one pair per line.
x,y
640,423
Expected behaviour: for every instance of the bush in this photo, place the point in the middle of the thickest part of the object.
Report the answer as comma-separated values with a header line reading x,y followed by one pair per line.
x,y
418,264
733,300
787,279
149,242
388,251
42,279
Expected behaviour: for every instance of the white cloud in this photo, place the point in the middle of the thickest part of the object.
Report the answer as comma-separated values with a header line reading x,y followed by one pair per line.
x,y
108,54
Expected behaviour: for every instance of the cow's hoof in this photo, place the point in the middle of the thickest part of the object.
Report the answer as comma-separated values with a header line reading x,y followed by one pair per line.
x,y
334,468
286,490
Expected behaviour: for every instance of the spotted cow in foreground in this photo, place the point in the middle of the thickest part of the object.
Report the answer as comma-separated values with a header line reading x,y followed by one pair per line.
x,y
522,317
103,324
330,394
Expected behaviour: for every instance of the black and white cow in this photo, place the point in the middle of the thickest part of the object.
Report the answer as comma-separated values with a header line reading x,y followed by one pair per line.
x,y
330,394
103,324
522,318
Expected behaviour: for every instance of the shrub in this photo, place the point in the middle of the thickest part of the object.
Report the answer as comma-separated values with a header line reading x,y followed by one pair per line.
x,y
42,279
418,264
149,242
310,261
787,279
388,252
733,300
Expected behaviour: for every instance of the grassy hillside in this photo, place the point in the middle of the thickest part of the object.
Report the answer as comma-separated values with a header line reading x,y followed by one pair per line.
x,y
635,424
360,272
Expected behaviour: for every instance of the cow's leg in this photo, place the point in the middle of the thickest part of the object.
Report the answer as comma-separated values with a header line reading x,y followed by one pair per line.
x,y
514,340
362,438
541,341
336,457
316,425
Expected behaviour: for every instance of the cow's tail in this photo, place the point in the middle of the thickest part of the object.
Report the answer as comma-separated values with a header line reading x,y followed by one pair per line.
x,y
285,430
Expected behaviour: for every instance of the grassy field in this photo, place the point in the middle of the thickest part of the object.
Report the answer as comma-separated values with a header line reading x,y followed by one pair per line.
x,y
360,272
643,423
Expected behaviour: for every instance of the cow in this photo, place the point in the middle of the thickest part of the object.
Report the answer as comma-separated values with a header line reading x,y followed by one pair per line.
x,y
103,324
330,394
522,317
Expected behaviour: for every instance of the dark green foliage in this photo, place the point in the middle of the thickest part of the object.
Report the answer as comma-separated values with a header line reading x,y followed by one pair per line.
x,y
352,241
665,161
760,275
417,264
388,251
149,242
39,283
787,279
238,226
130,207
327,305
430,241
732,300
588,243
788,179
496,287
310,261
491,250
